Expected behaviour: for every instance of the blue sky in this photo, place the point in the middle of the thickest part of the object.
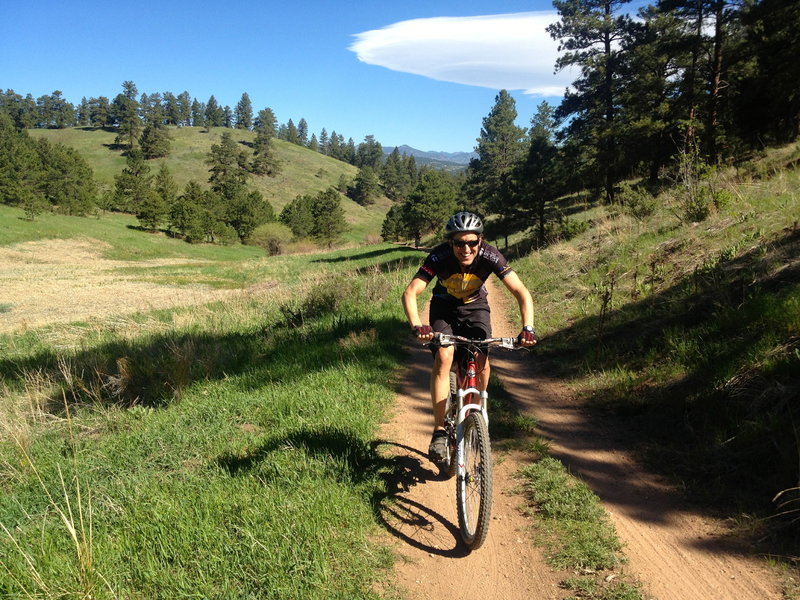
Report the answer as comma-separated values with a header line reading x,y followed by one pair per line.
x,y
411,72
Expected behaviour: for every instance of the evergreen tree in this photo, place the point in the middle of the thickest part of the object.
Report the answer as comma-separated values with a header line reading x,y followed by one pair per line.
x,y
125,115
244,113
539,173
154,141
264,160
152,211
367,187
334,147
298,216
198,113
328,217
171,110
292,135
430,204
394,175
215,115
186,213
349,151
64,178
185,109
165,185
589,31
132,186
500,151
100,112
324,142
83,112
369,154
302,132
228,167
265,122
313,144
395,225
227,117
769,108
246,211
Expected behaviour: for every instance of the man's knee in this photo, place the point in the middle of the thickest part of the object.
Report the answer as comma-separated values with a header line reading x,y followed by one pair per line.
x,y
444,359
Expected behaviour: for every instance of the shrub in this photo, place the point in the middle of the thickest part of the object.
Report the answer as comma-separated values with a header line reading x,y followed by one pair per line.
x,y
272,237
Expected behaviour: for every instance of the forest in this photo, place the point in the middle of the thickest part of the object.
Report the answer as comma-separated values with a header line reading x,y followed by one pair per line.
x,y
663,98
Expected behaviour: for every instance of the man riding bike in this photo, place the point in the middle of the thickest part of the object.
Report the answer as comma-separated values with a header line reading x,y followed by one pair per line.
x,y
459,306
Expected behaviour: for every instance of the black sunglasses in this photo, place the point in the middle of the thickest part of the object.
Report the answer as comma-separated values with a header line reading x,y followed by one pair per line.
x,y
463,244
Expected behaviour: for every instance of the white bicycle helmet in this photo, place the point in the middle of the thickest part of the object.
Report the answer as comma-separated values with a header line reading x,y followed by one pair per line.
x,y
463,222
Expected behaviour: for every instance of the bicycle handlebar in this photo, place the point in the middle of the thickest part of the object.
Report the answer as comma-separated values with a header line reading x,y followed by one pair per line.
x,y
446,339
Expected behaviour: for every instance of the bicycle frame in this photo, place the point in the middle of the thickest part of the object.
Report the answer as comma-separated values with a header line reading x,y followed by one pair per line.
x,y
466,424
469,397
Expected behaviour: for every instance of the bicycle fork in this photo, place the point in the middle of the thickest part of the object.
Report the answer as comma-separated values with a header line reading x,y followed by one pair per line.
x,y
467,394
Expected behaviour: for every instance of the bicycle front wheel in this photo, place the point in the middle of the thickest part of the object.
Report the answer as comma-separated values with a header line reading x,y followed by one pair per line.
x,y
474,487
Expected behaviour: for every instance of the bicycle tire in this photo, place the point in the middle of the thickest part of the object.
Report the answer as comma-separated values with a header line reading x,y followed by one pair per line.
x,y
474,488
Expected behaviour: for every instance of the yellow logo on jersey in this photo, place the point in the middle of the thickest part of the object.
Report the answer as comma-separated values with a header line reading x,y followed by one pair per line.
x,y
462,285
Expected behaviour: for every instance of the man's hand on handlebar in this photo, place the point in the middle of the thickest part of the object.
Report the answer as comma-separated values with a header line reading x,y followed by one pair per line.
x,y
527,337
423,332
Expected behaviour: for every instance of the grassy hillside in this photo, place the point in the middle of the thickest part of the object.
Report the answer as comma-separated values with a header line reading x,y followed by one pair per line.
x,y
303,171
689,332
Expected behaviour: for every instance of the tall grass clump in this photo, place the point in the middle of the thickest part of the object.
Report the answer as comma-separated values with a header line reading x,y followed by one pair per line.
x,y
226,455
575,531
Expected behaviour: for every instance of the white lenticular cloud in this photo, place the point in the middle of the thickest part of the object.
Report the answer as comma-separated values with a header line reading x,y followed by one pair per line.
x,y
510,51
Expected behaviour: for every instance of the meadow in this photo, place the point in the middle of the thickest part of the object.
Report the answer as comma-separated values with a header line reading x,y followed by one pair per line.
x,y
228,449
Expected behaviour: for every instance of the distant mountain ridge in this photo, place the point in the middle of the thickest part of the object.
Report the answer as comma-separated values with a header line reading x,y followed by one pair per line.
x,y
425,157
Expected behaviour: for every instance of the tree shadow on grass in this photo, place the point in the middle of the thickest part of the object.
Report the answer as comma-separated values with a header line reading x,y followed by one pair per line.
x,y
364,462
723,423
154,371
372,255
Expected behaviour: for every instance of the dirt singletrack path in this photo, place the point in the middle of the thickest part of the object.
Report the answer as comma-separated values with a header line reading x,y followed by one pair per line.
x,y
675,552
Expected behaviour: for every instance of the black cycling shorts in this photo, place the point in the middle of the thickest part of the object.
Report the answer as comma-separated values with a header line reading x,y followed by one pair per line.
x,y
470,320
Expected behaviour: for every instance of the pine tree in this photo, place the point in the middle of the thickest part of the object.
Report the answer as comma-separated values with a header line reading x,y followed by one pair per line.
x,y
395,177
302,132
589,31
328,217
264,160
228,167
125,114
215,115
244,113
369,153
430,204
539,172
198,111
500,151
132,186
367,187
184,109
154,141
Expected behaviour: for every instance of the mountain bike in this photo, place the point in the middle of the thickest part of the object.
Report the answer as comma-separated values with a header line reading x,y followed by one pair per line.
x,y
467,425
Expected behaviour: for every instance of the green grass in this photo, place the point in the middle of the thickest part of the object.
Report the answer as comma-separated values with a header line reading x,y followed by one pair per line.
x,y
233,455
303,171
688,332
575,532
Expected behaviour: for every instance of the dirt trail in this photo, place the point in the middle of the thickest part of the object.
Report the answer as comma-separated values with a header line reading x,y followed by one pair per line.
x,y
675,552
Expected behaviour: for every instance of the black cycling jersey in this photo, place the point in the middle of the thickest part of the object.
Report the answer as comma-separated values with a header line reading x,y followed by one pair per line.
x,y
457,287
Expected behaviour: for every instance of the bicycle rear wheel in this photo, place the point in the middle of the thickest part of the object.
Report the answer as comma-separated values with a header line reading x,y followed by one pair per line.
x,y
474,488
